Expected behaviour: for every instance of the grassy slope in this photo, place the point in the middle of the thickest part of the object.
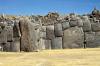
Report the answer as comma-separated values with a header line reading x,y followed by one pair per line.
x,y
67,57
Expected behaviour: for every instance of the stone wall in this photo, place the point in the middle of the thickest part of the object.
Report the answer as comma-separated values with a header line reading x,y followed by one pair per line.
x,y
34,33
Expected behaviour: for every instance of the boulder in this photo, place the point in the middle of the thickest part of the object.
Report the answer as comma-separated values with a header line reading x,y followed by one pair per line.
x,y
58,30
47,44
73,38
56,43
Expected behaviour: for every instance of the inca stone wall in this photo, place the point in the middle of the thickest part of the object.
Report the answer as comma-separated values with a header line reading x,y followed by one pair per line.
x,y
52,31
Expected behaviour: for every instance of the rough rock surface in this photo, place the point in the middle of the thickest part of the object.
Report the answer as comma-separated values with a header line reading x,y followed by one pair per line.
x,y
73,38
29,38
95,27
50,32
65,25
58,30
92,39
57,43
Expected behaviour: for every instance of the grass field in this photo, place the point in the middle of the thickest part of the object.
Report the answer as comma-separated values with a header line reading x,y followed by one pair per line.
x,y
66,57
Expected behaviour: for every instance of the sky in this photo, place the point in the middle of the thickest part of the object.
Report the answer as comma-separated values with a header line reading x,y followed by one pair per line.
x,y
42,7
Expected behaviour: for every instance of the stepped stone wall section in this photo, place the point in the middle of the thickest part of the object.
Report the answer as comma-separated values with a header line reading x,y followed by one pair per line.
x,y
34,33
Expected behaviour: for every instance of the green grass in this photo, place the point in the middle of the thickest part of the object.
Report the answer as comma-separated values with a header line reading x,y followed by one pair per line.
x,y
66,57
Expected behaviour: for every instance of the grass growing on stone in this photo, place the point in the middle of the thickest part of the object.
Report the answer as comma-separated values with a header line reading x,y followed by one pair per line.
x,y
66,57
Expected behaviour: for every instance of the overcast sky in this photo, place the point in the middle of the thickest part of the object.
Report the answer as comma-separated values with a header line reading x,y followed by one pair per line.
x,y
42,7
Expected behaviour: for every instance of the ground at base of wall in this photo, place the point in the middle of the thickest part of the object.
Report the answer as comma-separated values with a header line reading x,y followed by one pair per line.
x,y
65,57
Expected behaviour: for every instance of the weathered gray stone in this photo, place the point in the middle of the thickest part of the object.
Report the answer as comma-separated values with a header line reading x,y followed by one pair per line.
x,y
30,36
43,32
73,38
47,44
56,43
16,30
3,36
15,46
95,27
25,36
43,35
73,23
92,39
34,36
86,26
58,30
50,32
80,23
43,29
6,47
42,44
65,25
9,33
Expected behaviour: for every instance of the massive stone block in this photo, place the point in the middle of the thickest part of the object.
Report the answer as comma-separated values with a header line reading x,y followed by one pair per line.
x,y
6,47
56,43
15,45
42,44
3,35
86,26
16,30
73,23
29,36
43,32
50,32
73,38
95,27
65,25
10,34
45,44
92,39
58,30
80,22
